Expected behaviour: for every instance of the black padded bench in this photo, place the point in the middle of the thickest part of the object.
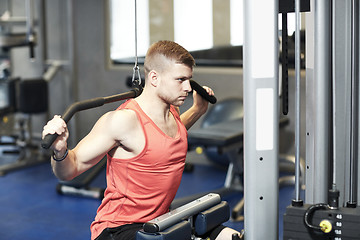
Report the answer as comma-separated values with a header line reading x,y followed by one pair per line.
x,y
188,221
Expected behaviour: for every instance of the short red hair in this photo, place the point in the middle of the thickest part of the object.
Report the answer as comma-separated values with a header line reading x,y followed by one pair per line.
x,y
166,50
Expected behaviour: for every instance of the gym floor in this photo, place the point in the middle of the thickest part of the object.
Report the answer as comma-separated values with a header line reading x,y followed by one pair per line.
x,y
31,209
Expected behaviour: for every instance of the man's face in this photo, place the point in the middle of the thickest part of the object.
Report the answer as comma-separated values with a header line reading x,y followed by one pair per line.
x,y
174,83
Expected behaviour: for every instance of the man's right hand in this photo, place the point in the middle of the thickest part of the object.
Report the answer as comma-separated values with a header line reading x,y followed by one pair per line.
x,y
57,125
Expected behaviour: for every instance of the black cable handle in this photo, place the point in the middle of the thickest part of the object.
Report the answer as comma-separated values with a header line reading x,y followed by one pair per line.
x,y
202,92
97,102
88,104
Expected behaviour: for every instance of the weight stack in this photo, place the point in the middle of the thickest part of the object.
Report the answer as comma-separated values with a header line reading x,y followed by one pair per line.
x,y
345,224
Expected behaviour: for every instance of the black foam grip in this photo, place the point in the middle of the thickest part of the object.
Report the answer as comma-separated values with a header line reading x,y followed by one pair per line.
x,y
200,90
48,140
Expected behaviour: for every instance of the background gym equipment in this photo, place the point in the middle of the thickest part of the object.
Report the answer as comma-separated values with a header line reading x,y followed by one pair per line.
x,y
80,185
24,97
21,98
225,111
10,40
288,53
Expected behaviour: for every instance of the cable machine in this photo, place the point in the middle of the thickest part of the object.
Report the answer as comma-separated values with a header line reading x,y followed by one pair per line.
x,y
331,210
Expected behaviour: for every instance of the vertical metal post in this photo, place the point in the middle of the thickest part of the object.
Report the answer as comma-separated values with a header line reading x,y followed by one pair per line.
x,y
261,113
354,104
297,100
341,74
318,106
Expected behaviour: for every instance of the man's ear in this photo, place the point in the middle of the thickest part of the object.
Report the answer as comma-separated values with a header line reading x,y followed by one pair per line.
x,y
153,77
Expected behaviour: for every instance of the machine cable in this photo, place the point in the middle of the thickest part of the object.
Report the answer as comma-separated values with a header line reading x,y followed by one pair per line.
x,y
136,77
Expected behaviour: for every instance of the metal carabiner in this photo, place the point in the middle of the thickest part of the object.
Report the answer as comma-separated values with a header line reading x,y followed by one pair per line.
x,y
136,77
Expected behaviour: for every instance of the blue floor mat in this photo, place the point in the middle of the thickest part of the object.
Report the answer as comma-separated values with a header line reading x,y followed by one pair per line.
x,y
31,209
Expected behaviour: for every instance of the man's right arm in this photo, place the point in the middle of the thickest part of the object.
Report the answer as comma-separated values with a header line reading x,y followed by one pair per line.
x,y
90,150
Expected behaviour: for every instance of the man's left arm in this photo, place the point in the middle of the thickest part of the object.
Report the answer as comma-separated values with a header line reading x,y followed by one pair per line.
x,y
198,109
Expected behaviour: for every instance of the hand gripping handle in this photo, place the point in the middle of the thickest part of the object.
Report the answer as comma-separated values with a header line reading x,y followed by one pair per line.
x,y
202,92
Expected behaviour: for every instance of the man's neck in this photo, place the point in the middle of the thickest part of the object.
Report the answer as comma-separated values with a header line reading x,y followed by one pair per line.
x,y
154,107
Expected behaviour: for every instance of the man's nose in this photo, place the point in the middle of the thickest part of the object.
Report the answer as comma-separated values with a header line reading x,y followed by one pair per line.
x,y
187,86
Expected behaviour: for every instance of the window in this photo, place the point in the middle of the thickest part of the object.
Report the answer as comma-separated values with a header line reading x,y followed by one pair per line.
x,y
236,22
193,27
188,22
212,33
122,28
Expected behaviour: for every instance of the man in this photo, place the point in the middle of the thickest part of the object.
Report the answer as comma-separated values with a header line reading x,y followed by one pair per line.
x,y
145,141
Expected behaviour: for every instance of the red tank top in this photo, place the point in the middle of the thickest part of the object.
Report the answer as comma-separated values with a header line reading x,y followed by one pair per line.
x,y
142,188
